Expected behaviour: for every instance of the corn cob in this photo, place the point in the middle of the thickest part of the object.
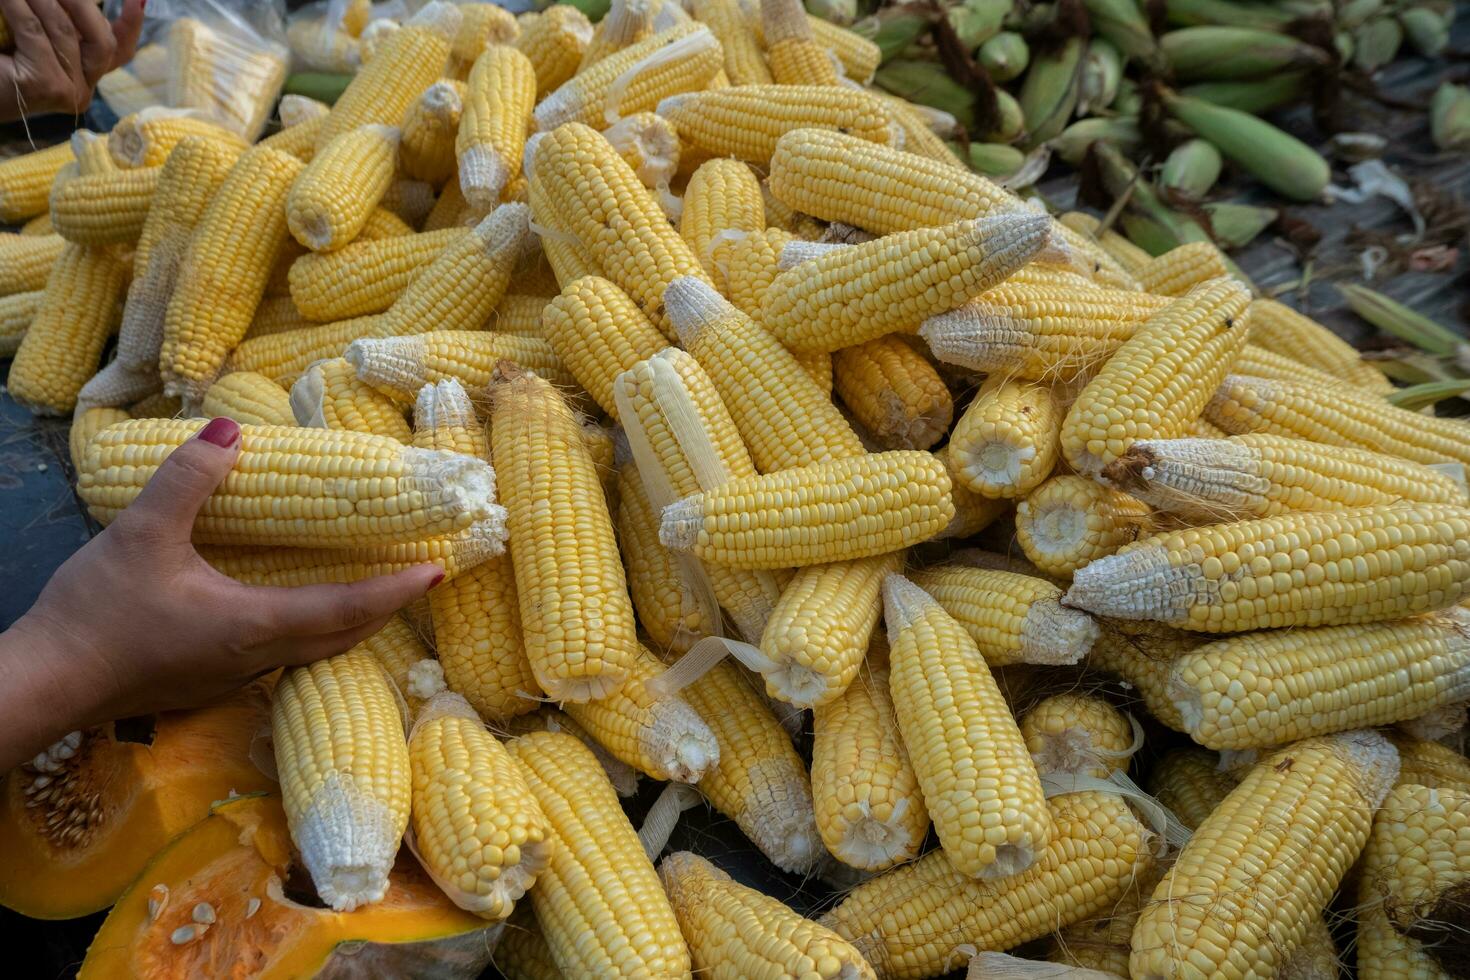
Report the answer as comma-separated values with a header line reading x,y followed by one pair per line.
x,y
1012,618
405,494
721,202
1258,362
979,784
1160,379
598,332
680,59
407,61
298,141
364,277
1430,764
1239,477
859,292
744,63
147,137
1007,441
84,425
329,395
792,51
156,406
1279,844
600,904
481,26
858,56
39,225
746,121
104,209
497,111
26,261
426,148
249,398
25,181
893,392
332,199
649,144
1180,269
660,596
750,266
554,40
16,313
521,952
1070,521
344,768
1125,253
626,22
1077,735
972,512
576,617
1282,330
400,366
520,316
909,921
1143,655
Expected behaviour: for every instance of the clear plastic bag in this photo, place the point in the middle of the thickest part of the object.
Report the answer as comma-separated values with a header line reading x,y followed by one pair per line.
x,y
328,35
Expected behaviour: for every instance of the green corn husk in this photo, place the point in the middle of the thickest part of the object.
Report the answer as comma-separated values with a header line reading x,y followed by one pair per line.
x,y
1424,395
995,159
1398,320
1120,176
841,12
1280,161
1191,169
1128,101
927,83
322,86
893,30
1124,23
1449,117
1426,30
1412,367
594,9
1226,13
1253,95
977,21
1355,13
1376,42
1152,236
1233,53
1049,93
1010,121
1122,131
1237,225
1102,73
1004,56
1343,43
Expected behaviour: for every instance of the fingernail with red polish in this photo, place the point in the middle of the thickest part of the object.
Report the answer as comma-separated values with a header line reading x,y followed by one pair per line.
x,y
436,580
220,432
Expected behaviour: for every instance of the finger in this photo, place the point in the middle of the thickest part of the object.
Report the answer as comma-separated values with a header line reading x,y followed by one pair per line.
x,y
94,38
308,649
25,26
172,499
66,46
316,610
125,31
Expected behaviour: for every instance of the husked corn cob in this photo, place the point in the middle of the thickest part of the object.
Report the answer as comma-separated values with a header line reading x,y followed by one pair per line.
x,y
1430,764
224,270
364,277
383,491
26,261
477,631
104,209
477,827
1161,378
25,181
331,200
64,341
401,366
792,52
1143,655
39,225
909,921
598,331
298,141
1299,683
16,312
589,187
746,121
1012,618
1097,949
482,25
858,56
85,424
1345,416
626,22
838,510
600,904
499,96
555,41
649,144
1132,258
520,316
1282,330
1301,569
1007,441
750,267
329,395
1261,363
667,611
859,292
426,148
569,259
1278,845
893,392
146,138
344,768
1191,784
406,62
1180,269
737,932
249,398
576,617
1070,521
1077,734
681,59
868,805
972,512
743,60
1209,480
785,419
521,952
723,197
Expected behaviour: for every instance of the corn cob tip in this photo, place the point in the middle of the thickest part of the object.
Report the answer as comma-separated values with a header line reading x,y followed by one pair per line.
x,y
482,175
1132,471
1054,635
692,305
439,17
796,252
442,403
348,841
978,336
426,678
442,98
505,229
382,361
467,483
672,103
783,827
444,704
1376,759
903,602
1132,585
680,524
680,741
1012,237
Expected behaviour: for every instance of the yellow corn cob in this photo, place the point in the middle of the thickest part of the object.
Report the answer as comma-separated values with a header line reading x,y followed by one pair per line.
x,y
39,225
746,121
647,143
26,261
383,491
104,209
65,338
477,828
224,270
575,613
298,141
1430,764
893,392
1161,378
400,366
655,583
1301,569
626,22
599,902
1007,441
482,25
406,62
972,512
344,769
520,316
750,267
1299,683
569,259
909,921
1180,269
1125,253
1012,618
785,419
1191,784
1261,363
329,395
521,952
635,79
1344,416
1077,734
858,56
331,200
16,313
1210,480
276,314
737,932
917,137
444,418
744,63
792,52
554,40
1278,845
1282,330
868,805
499,97
156,406
598,332
1070,521
979,784
589,187
426,149
1143,656
478,636
364,277
25,181
837,510
722,197
86,424
860,292
250,398
147,137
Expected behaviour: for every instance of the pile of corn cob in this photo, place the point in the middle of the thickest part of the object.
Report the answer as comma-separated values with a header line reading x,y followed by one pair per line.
x,y
632,265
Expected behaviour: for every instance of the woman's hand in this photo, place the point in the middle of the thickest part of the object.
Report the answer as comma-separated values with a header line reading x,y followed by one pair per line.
x,y
137,622
60,49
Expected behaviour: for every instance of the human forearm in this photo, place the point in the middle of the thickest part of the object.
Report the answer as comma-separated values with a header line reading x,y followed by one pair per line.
x,y
40,696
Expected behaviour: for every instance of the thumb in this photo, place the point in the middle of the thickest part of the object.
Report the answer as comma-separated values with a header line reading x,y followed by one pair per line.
x,y
184,480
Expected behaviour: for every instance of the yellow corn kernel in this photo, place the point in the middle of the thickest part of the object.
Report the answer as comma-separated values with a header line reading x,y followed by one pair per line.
x,y
751,266
25,181
1261,363
482,25
1012,618
1282,330
519,316
1180,269
400,366
426,148
1142,656
1007,441
554,40
721,203
972,512
744,62
16,313
858,56
26,261
666,610
792,51
86,424
746,121
478,636
893,392
147,137
499,97
598,332
1430,764
104,209
1077,735
332,199
364,277
1070,521
249,398
329,395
